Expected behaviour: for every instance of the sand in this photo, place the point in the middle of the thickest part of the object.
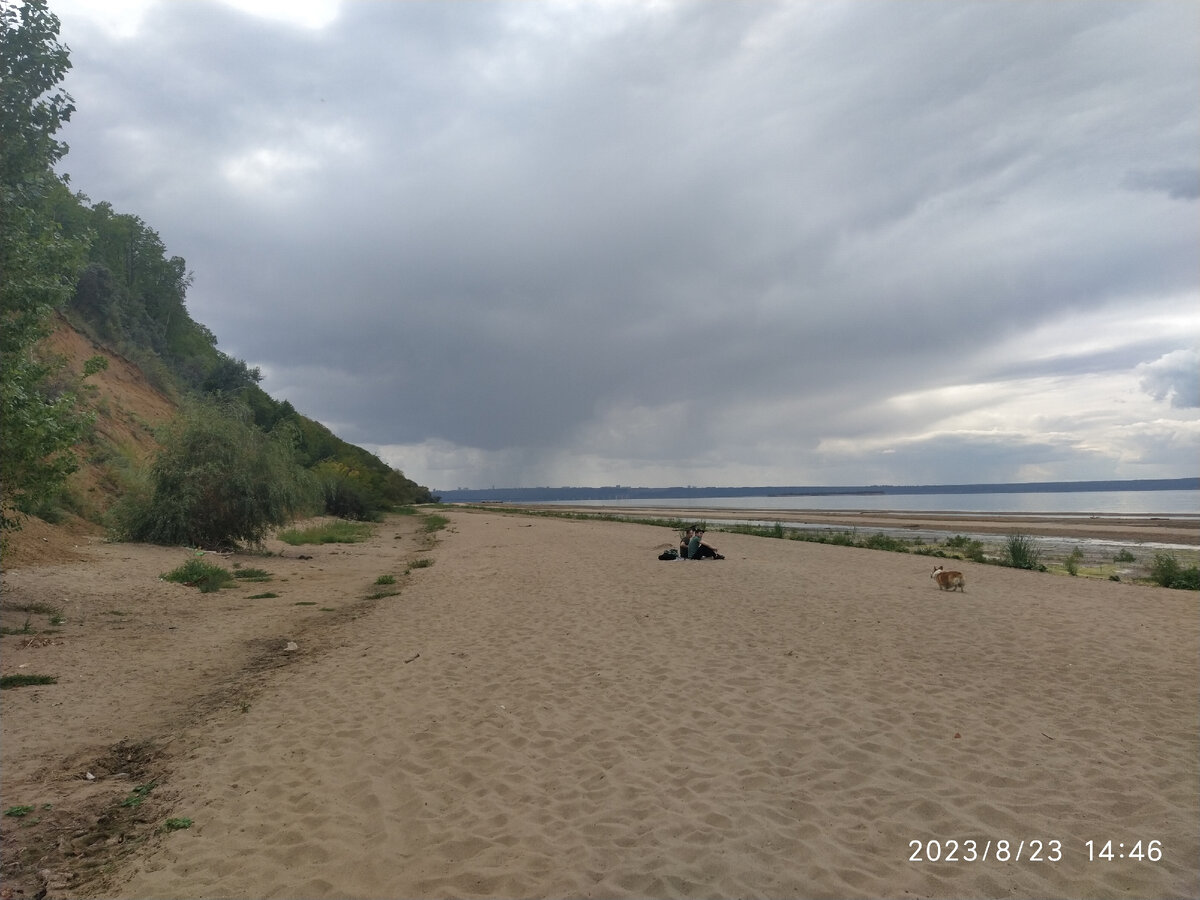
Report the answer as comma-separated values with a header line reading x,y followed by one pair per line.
x,y
547,710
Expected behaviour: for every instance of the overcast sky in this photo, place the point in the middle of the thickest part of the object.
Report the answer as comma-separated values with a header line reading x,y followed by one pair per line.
x,y
678,243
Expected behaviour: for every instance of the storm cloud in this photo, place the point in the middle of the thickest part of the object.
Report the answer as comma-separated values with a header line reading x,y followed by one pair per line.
x,y
708,243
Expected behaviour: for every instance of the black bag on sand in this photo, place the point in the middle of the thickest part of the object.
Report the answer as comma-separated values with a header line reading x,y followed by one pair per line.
x,y
669,554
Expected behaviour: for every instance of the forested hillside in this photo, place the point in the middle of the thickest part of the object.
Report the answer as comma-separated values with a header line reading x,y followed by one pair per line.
x,y
130,297
104,371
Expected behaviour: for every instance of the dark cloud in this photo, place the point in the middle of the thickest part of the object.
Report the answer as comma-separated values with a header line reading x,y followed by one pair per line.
x,y
506,241
1178,184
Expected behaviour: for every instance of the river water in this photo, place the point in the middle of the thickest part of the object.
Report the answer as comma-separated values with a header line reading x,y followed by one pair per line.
x,y
1123,503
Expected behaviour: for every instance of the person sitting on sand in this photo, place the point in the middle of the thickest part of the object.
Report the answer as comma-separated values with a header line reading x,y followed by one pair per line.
x,y
697,549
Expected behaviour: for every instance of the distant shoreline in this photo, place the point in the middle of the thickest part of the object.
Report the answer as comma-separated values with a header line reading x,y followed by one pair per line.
x,y
1181,530
623,492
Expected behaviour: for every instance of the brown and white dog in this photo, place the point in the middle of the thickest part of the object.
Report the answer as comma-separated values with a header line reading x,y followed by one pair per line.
x,y
949,581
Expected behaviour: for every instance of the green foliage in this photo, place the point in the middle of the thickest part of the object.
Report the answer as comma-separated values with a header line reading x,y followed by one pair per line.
x,y
139,794
18,812
15,681
1167,571
252,575
346,493
1073,560
329,533
216,482
881,541
969,548
386,579
198,573
435,522
38,262
177,824
1022,552
110,273
1124,557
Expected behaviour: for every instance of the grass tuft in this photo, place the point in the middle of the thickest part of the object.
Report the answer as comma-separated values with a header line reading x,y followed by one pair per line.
x,y
16,681
330,533
252,575
434,522
198,573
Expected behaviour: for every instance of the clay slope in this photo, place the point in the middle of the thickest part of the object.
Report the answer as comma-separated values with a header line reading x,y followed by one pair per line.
x,y
128,410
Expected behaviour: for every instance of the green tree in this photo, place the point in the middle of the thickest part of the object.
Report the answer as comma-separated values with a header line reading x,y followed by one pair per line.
x,y
38,262
217,482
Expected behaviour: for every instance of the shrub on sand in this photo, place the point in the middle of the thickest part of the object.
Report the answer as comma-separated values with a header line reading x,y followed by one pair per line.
x,y
1022,552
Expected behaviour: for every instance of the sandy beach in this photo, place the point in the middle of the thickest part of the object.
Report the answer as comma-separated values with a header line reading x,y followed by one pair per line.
x,y
545,709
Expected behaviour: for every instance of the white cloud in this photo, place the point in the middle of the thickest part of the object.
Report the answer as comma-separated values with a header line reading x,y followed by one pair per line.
x,y
1174,378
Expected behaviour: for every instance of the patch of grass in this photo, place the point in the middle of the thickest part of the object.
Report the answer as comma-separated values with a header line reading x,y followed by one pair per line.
x,y
252,575
139,794
381,592
434,522
41,609
328,609
423,563
177,824
16,681
27,628
340,532
198,573
1125,557
305,603
386,579
269,595
18,812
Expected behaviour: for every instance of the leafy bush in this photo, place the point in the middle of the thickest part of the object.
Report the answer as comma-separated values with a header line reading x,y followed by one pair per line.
x,y
971,549
1073,560
217,481
1167,572
1125,557
1022,552
348,493
881,541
